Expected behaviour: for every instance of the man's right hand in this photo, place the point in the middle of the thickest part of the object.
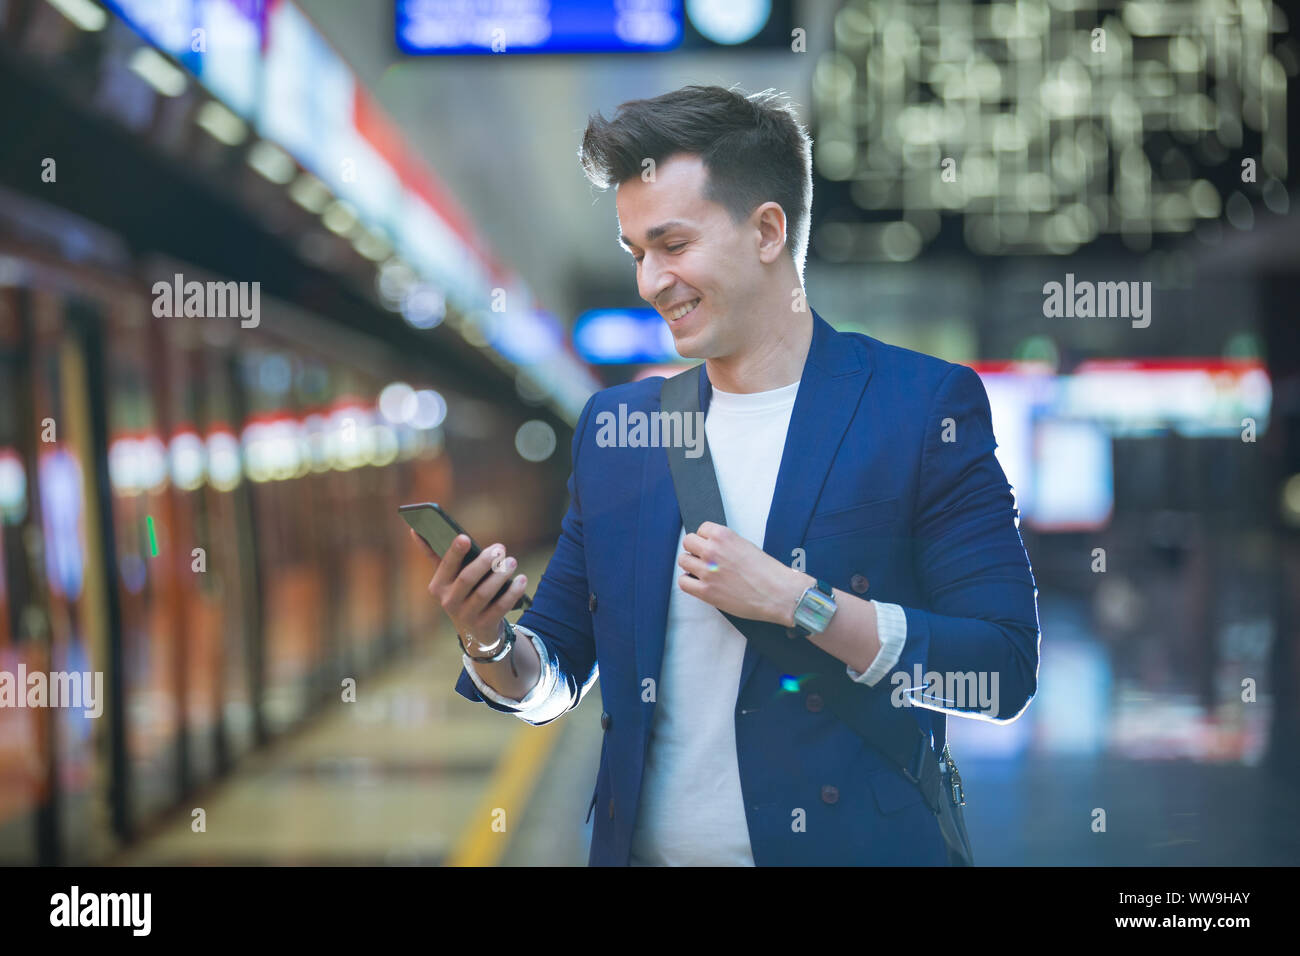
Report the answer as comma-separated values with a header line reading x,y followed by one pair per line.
x,y
467,598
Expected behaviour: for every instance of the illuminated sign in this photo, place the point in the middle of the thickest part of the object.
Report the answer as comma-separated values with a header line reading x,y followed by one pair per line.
x,y
623,336
1195,397
304,83
1074,485
219,41
538,26
1055,431
230,50
167,24
266,61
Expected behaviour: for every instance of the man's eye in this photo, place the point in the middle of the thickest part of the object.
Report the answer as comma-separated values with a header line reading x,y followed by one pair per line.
x,y
679,246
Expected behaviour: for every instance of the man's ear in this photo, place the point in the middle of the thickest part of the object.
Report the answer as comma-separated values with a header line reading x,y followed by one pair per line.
x,y
771,224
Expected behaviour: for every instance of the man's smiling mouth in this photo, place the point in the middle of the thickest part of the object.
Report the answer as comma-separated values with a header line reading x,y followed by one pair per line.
x,y
682,311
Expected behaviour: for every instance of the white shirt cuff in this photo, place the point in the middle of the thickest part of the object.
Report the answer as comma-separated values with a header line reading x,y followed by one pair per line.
x,y
891,627
537,703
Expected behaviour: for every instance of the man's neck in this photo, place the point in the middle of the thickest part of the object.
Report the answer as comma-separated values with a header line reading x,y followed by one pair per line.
x,y
774,361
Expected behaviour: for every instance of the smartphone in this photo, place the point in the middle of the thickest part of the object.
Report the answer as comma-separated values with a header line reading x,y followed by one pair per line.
x,y
439,530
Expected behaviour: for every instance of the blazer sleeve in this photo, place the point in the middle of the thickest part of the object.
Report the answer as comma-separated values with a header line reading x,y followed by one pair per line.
x,y
982,611
559,617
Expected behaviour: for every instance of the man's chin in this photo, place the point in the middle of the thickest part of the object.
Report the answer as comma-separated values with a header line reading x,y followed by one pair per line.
x,y
689,346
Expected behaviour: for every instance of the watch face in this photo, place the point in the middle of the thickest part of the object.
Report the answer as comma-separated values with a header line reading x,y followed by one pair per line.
x,y
814,611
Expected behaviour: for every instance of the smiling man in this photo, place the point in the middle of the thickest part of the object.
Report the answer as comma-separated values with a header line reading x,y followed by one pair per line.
x,y
865,530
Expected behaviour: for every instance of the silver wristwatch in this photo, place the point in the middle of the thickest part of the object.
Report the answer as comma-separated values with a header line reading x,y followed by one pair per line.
x,y
816,607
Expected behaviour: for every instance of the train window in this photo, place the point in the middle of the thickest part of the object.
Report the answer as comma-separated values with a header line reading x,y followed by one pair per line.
x,y
145,531
21,758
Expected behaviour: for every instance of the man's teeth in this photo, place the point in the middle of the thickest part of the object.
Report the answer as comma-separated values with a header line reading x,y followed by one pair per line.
x,y
678,313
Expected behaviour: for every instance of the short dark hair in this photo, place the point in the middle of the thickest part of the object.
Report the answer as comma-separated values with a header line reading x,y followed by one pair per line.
x,y
753,146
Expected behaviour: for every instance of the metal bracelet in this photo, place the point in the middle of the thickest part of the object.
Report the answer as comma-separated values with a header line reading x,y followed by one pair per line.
x,y
508,637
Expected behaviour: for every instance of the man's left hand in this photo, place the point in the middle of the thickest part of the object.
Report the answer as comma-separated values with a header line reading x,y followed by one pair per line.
x,y
737,577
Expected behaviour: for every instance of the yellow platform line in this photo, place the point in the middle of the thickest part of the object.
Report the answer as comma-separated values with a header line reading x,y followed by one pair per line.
x,y
513,781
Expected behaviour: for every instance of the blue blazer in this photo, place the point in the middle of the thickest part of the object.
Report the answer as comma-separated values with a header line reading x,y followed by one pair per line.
x,y
889,484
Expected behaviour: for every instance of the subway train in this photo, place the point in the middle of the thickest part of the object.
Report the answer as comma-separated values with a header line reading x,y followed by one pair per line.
x,y
199,518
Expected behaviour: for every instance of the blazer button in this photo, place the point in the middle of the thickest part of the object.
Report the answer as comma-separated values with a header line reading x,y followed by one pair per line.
x,y
591,603
605,721
814,702
859,584
830,794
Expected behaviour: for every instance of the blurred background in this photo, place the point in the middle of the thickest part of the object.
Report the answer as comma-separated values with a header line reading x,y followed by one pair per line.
x,y
203,507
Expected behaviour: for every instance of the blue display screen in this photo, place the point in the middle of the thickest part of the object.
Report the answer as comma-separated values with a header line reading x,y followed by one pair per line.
x,y
538,26
623,336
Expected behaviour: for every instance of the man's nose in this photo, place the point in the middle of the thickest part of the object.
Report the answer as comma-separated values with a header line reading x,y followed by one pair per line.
x,y
653,282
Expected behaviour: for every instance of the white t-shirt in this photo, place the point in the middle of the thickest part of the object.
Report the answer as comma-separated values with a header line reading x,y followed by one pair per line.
x,y
692,812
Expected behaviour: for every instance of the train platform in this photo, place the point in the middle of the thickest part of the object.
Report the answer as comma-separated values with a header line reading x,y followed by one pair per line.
x,y
413,774
409,774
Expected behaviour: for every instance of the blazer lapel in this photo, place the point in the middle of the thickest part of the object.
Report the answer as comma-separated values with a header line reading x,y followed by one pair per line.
x,y
834,377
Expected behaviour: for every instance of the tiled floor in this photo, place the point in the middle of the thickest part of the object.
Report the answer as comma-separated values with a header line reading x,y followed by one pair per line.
x,y
409,774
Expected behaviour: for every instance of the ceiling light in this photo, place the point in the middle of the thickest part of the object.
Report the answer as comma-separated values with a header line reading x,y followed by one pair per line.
x,y
158,71
85,15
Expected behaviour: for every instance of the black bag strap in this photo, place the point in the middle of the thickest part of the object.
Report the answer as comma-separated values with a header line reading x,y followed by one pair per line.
x,y
897,736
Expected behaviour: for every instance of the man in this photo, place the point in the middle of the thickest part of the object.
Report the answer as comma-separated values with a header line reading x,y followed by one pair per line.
x,y
839,458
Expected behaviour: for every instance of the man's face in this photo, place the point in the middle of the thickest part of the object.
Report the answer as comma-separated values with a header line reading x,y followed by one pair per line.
x,y
699,258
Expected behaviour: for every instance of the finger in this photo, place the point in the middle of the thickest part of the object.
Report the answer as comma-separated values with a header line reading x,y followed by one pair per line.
x,y
691,586
474,572
693,565
701,548
499,608
486,590
445,575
